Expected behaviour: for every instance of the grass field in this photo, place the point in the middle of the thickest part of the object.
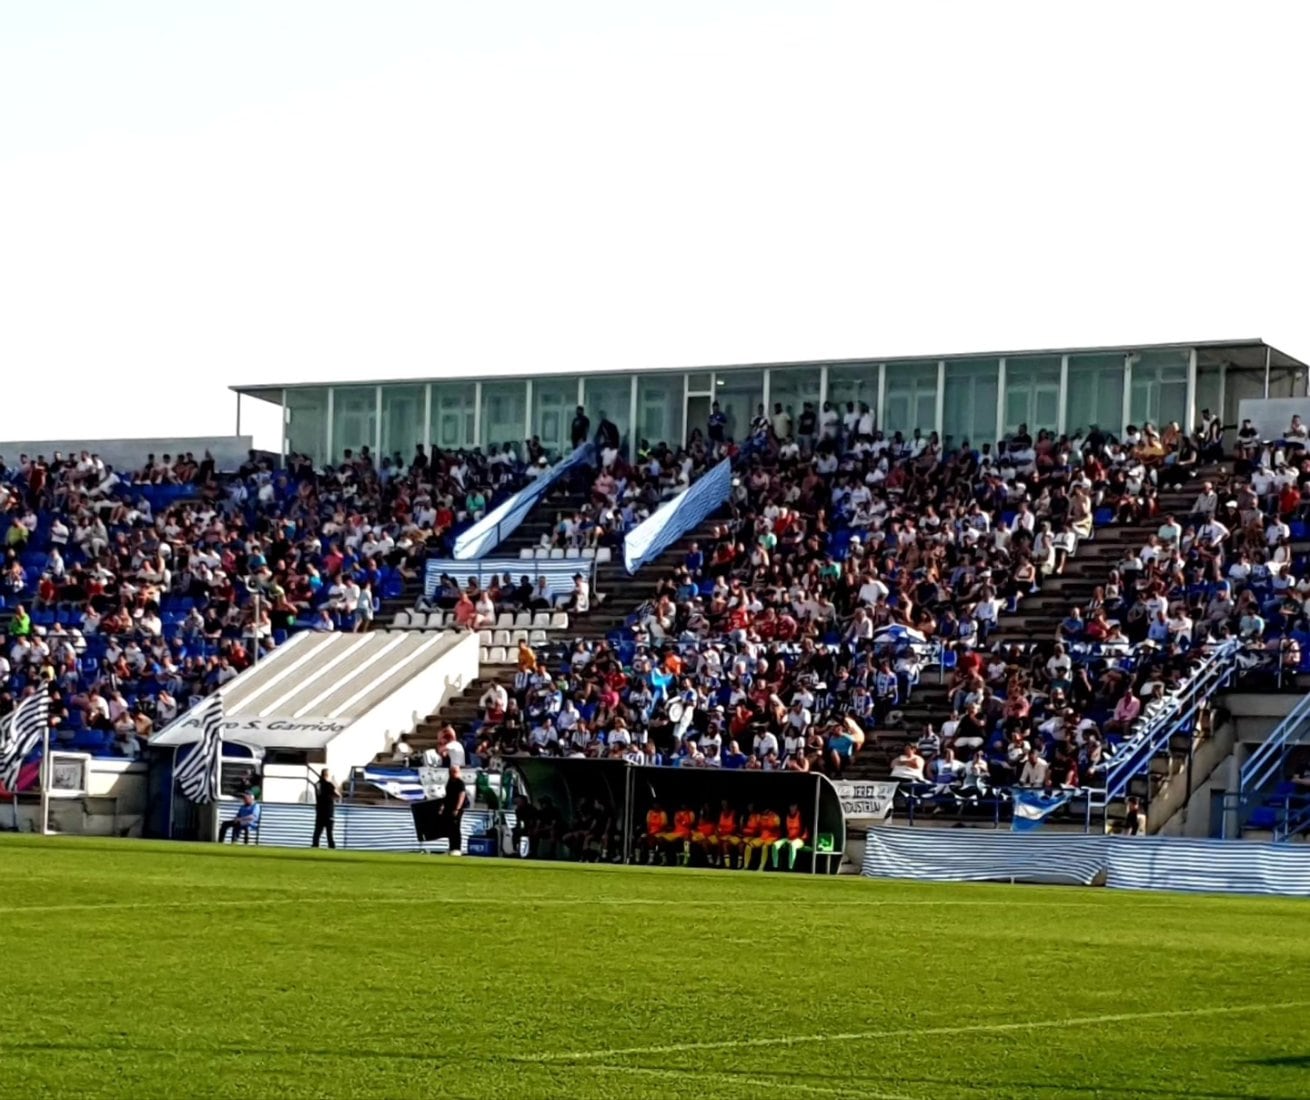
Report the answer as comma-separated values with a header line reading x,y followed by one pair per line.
x,y
148,970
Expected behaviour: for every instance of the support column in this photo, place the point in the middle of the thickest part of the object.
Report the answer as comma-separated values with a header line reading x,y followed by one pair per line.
x,y
1000,407
283,449
477,413
331,457
1126,408
527,413
1269,353
633,434
765,395
427,417
377,427
940,428
823,386
880,412
1062,410
1190,423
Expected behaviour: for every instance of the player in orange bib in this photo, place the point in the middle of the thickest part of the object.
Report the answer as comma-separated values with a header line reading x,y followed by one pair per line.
x,y
729,840
684,825
750,837
657,829
794,841
705,839
770,831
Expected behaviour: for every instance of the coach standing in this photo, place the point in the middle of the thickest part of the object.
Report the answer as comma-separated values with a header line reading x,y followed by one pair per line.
x,y
453,809
326,796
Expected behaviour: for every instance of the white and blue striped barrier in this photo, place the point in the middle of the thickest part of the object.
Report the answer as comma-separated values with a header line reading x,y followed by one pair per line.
x,y
1124,863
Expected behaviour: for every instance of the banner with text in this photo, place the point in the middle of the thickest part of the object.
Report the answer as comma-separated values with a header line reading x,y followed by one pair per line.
x,y
865,801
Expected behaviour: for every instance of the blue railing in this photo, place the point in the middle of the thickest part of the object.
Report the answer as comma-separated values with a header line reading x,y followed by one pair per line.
x,y
1264,798
1133,758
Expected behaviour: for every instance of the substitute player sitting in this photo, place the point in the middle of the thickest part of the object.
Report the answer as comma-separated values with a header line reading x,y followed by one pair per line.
x,y
705,840
657,831
770,831
684,828
793,842
729,839
750,837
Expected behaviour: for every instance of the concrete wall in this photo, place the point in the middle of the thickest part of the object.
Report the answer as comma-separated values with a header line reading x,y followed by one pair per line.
x,y
229,451
424,694
114,805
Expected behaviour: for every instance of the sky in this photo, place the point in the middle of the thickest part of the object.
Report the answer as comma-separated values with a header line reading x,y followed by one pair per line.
x,y
196,195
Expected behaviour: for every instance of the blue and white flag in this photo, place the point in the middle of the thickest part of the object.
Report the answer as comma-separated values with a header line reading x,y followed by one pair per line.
x,y
198,776
1032,808
25,734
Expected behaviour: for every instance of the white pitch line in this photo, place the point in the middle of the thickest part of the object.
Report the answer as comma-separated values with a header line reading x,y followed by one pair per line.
x,y
787,1085
547,900
911,1032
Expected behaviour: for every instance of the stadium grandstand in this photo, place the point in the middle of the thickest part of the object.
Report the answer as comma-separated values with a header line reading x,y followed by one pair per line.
x,y
1063,588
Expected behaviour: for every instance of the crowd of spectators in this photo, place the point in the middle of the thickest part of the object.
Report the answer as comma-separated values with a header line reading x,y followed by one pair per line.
x,y
130,594
850,559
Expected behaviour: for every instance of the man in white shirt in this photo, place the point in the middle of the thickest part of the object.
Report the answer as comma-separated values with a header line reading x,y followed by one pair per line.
x,y
1034,770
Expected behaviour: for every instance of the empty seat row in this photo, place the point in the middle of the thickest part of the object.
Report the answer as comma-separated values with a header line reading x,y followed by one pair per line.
x,y
602,554
506,620
509,638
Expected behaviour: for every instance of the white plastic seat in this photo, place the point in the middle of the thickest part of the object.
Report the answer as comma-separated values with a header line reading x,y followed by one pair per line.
x,y
603,555
497,655
525,554
537,637
543,553
505,620
436,620
501,638
559,620
557,554
588,552
572,553
484,637
518,637
402,619
541,620
523,620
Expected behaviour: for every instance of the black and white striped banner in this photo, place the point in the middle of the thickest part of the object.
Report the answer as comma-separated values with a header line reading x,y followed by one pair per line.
x,y
198,775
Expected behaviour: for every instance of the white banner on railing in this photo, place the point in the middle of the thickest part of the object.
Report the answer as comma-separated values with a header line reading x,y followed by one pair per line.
x,y
865,801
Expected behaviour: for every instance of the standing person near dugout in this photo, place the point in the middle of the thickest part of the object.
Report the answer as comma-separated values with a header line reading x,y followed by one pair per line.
x,y
452,809
326,796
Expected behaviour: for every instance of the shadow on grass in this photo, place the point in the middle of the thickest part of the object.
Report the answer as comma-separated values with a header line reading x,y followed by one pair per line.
x,y
1288,1061
946,1086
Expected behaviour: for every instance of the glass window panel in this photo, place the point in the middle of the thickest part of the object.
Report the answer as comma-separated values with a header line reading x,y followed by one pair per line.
x,y
740,393
554,402
504,408
1209,393
659,409
1032,393
853,382
610,397
307,423
911,398
1159,387
453,415
970,405
699,382
790,389
1096,385
354,419
402,420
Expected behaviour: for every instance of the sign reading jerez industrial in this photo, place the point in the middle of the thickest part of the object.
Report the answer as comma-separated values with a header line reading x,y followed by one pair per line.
x,y
865,801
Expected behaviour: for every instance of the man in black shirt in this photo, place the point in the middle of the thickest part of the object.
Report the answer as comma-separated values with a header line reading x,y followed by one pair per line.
x,y
453,809
326,796
581,427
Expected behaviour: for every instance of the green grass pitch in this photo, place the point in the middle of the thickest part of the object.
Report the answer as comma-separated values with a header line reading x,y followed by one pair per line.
x,y
161,970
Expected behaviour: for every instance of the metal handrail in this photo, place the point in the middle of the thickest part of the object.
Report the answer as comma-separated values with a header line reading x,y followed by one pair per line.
x,y
1266,762
1136,753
